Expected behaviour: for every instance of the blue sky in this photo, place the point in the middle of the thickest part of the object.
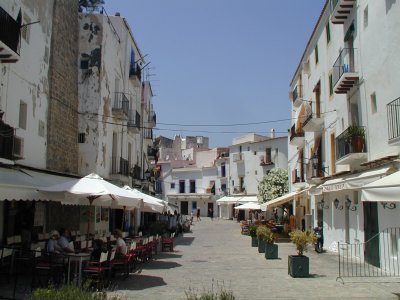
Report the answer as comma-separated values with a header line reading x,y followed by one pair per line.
x,y
219,62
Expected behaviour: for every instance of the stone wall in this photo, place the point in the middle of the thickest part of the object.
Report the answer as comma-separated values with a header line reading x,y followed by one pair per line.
x,y
62,148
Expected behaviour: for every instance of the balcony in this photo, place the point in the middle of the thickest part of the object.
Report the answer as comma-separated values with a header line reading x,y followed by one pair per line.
x,y
314,173
152,119
10,37
11,146
298,179
135,74
133,121
313,123
135,172
393,116
237,157
119,166
265,161
121,105
296,136
148,133
345,72
151,151
297,95
351,148
341,10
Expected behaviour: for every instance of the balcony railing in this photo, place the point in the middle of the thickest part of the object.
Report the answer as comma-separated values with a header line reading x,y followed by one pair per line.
x,y
237,157
393,116
297,95
135,71
148,133
10,32
133,119
348,143
152,118
121,103
296,132
135,172
120,166
345,70
151,151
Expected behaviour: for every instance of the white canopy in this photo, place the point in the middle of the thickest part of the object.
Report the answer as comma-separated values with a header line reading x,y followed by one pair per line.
x,y
281,200
227,200
386,189
150,203
248,199
91,189
249,206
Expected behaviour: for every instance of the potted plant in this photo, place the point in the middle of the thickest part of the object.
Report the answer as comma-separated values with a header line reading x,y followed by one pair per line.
x,y
261,232
253,234
298,265
271,249
356,137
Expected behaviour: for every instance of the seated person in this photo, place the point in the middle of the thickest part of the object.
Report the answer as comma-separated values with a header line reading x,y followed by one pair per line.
x,y
52,244
121,248
99,247
64,243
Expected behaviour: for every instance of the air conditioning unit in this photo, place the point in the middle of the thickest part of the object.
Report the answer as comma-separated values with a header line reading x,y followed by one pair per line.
x,y
18,149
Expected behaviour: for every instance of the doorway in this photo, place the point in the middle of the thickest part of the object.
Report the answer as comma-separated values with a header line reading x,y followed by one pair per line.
x,y
371,231
184,207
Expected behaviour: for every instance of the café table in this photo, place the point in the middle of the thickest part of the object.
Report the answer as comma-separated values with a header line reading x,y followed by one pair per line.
x,y
78,259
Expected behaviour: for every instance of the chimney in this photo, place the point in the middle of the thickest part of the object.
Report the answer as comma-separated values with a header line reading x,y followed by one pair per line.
x,y
272,133
117,14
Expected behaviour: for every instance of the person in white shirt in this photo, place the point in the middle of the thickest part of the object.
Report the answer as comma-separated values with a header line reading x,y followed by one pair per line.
x,y
63,241
52,244
121,245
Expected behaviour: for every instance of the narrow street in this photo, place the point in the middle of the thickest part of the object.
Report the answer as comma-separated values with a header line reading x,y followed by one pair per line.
x,y
215,254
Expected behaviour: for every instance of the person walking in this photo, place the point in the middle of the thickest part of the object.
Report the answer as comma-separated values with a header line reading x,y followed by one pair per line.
x,y
198,215
210,212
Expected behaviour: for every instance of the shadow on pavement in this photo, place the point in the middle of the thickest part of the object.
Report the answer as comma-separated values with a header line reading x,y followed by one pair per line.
x,y
163,255
185,241
140,282
161,264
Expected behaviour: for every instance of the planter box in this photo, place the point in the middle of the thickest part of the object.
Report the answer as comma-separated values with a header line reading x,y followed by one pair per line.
x,y
298,266
254,241
261,246
271,251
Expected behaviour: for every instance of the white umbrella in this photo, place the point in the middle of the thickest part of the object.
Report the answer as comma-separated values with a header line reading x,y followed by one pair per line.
x,y
91,190
249,206
150,204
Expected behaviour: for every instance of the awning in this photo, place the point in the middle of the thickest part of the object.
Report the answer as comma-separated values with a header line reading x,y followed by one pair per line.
x,y
248,199
249,206
282,200
227,200
386,189
354,182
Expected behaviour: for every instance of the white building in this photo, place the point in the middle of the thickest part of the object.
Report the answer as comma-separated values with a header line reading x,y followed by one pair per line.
x,y
347,81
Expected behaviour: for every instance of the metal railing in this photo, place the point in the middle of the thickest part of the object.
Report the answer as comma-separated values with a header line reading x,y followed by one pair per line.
x,y
346,144
120,166
152,117
296,132
148,133
377,257
134,70
297,92
10,31
345,63
393,116
133,119
121,102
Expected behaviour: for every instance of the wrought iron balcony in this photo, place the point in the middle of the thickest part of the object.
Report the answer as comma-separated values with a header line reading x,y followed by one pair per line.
x,y
297,95
393,116
152,119
134,121
351,146
148,133
10,37
151,151
120,166
341,10
121,104
313,123
345,72
11,146
135,73
296,136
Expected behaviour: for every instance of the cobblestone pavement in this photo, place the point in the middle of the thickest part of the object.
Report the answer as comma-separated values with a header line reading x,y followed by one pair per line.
x,y
216,254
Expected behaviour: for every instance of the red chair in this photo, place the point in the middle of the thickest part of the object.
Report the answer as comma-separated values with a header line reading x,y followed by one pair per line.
x,y
97,270
126,262
168,243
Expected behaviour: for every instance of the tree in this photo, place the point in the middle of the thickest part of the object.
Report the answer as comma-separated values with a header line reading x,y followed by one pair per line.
x,y
273,185
90,5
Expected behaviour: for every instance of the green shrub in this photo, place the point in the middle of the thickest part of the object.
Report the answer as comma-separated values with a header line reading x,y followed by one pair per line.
x,y
301,239
220,294
69,292
253,230
265,234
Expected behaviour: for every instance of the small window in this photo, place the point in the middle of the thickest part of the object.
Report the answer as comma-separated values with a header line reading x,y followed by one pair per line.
x,y
81,138
182,186
192,186
268,158
366,17
172,185
330,84
223,187
255,172
328,33
23,112
255,152
248,148
374,107
41,128
84,64
316,54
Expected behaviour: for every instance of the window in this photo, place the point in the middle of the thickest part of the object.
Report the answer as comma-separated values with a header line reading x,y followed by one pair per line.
x,y
41,128
192,186
223,187
330,85
81,138
23,110
374,107
172,185
84,63
181,186
328,33
194,205
316,54
223,170
366,17
268,155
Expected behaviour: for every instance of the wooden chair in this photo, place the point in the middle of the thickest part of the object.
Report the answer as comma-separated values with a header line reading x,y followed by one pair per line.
x,y
97,270
168,243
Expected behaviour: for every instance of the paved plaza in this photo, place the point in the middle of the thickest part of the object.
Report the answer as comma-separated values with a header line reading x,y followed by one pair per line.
x,y
216,254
